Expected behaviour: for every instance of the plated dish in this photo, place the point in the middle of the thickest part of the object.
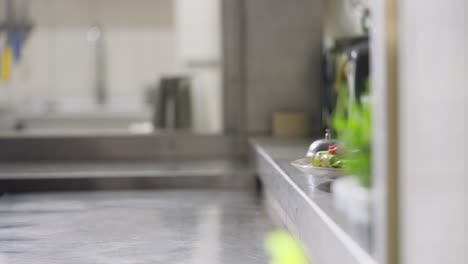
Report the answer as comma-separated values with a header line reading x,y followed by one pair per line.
x,y
306,167
323,163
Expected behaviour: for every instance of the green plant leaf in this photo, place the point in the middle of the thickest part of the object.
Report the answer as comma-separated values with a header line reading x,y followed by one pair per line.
x,y
352,124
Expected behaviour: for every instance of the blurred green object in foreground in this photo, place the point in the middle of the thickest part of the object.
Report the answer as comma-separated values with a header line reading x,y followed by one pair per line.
x,y
283,248
352,121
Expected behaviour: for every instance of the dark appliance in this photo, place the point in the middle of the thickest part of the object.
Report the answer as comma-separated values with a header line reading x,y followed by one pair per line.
x,y
345,66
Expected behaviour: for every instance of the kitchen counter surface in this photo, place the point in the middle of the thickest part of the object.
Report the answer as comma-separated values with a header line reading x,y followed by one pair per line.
x,y
312,196
164,226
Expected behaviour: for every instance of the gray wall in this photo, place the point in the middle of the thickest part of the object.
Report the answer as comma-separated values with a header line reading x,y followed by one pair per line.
x,y
233,30
341,19
282,59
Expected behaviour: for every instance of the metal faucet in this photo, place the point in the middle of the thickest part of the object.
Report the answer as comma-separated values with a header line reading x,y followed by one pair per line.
x,y
96,38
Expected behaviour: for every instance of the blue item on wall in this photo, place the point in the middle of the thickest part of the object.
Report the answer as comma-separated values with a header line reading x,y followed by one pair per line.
x,y
16,44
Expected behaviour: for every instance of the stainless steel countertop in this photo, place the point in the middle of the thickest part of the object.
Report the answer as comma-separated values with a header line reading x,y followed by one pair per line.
x,y
184,226
105,175
123,147
116,169
309,203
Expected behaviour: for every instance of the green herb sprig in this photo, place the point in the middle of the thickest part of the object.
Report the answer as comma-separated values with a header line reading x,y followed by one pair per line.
x,y
352,124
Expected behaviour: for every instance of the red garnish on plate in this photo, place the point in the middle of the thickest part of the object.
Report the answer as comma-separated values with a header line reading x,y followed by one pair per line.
x,y
333,149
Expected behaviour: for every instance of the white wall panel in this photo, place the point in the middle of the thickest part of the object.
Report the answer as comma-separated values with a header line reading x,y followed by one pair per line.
x,y
433,131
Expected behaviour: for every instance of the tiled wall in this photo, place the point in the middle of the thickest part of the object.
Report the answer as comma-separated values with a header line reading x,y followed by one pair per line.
x,y
142,43
58,62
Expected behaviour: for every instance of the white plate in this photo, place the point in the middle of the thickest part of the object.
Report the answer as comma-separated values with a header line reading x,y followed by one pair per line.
x,y
307,168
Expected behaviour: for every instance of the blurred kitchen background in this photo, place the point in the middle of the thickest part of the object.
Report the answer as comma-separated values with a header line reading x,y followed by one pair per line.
x,y
191,113
99,65
109,66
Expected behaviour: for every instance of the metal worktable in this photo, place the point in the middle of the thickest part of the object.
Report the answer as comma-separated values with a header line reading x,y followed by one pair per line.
x,y
199,204
158,226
